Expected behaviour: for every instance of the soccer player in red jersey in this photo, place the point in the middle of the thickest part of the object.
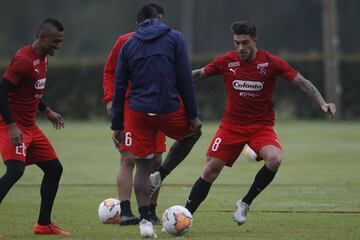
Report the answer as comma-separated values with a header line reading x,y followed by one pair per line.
x,y
125,179
249,78
21,141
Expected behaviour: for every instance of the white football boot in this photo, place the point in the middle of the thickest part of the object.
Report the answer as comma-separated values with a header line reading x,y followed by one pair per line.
x,y
155,181
146,229
241,211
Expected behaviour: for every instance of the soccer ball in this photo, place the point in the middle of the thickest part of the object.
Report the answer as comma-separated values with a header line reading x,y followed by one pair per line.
x,y
177,220
109,211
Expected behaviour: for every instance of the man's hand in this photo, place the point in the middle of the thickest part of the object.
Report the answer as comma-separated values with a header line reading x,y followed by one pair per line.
x,y
118,138
16,136
109,108
55,118
195,124
329,108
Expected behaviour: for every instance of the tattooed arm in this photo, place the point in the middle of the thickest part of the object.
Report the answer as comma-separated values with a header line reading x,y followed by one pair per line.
x,y
198,75
312,92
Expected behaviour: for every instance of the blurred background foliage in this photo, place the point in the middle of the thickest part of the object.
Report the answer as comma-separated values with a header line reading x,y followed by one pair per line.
x,y
291,29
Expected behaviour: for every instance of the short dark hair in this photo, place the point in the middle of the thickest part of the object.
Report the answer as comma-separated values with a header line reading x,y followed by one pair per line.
x,y
159,9
146,12
244,28
49,21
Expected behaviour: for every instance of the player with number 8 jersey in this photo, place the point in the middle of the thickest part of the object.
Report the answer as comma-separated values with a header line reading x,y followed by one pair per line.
x,y
249,78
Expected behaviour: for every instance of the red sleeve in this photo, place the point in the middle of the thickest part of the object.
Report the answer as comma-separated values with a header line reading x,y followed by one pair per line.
x,y
17,70
285,70
110,67
214,68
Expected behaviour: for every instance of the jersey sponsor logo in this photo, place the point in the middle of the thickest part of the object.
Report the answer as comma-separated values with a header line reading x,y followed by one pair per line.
x,y
40,84
233,64
247,94
247,85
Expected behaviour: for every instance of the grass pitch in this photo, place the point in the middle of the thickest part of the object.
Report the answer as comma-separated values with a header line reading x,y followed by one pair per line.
x,y
315,194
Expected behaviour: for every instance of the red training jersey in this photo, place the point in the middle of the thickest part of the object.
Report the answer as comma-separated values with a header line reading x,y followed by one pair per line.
x,y
250,86
27,71
110,67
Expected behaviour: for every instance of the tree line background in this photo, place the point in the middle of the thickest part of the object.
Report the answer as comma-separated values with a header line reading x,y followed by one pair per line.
x,y
291,29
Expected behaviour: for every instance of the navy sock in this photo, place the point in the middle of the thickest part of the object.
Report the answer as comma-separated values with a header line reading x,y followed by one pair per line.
x,y
126,208
144,212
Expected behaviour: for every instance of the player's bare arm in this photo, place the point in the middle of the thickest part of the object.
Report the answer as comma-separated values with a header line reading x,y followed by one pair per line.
x,y
16,136
118,137
109,108
309,88
55,118
198,75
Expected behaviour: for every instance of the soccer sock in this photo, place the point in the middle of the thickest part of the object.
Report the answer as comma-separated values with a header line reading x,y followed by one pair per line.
x,y
262,179
198,194
125,208
152,209
163,173
14,171
49,186
144,212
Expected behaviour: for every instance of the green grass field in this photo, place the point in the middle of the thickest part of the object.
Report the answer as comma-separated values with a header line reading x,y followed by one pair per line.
x,y
316,194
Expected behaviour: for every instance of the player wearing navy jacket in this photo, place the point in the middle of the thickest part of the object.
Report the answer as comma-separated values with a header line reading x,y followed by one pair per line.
x,y
161,98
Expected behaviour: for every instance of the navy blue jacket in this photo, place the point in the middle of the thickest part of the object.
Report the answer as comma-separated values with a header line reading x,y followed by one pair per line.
x,y
156,62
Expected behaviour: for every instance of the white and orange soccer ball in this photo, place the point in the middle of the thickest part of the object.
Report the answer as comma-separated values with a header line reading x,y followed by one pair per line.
x,y
109,211
177,220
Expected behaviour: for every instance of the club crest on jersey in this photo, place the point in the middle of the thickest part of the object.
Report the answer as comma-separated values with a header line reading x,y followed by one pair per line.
x,y
40,84
262,68
233,64
244,85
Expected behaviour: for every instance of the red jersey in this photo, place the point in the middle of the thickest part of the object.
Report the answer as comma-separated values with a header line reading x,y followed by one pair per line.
x,y
250,86
27,71
110,67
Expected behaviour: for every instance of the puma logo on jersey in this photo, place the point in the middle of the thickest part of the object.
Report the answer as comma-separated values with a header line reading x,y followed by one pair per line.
x,y
233,70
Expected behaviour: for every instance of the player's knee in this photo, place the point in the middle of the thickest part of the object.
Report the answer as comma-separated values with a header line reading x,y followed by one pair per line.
x,y
273,161
194,137
127,164
210,173
55,170
157,160
15,172
127,161
197,135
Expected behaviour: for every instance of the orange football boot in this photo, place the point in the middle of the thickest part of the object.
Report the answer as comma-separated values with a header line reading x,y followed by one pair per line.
x,y
49,229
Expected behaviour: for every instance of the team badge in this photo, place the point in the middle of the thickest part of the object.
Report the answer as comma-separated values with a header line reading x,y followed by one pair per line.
x,y
262,68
